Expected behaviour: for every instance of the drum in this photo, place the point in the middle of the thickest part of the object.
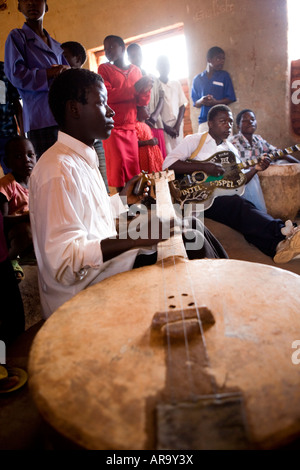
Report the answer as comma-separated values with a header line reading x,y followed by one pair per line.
x,y
179,355
281,189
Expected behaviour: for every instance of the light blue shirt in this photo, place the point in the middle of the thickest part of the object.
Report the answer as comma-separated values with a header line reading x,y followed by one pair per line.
x,y
27,57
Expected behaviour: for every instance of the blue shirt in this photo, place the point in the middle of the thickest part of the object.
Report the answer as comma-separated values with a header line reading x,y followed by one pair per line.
x,y
27,57
219,85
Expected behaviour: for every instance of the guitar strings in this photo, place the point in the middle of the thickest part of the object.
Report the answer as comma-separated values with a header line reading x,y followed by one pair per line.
x,y
186,341
169,346
217,395
165,247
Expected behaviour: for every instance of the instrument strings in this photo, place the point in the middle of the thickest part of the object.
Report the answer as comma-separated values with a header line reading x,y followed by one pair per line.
x,y
178,283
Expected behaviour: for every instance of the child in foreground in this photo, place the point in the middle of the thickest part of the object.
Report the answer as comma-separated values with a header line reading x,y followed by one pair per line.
x,y
14,199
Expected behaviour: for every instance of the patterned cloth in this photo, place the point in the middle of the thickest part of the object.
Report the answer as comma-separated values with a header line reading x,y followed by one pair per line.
x,y
253,191
151,158
246,151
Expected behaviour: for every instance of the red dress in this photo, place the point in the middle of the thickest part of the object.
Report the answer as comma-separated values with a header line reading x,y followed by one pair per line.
x,y
151,158
121,148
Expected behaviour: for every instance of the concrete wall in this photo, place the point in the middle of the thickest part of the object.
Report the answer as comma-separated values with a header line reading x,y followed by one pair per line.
x,y
253,34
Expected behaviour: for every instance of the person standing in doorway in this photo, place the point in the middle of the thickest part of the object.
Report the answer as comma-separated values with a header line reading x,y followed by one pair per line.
x,y
173,109
32,59
212,87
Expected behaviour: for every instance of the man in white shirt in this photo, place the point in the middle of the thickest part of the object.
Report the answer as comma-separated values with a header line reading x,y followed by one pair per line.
x,y
173,109
72,217
260,229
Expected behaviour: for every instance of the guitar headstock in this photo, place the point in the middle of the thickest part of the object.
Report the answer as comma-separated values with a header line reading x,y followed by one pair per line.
x,y
167,175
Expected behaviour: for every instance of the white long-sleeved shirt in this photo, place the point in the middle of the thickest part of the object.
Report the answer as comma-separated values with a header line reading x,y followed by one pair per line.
x,y
70,213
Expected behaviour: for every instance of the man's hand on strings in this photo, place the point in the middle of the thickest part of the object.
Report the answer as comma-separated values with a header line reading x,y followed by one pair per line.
x,y
264,163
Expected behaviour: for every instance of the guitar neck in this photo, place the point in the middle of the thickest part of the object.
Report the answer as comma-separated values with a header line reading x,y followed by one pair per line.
x,y
173,246
271,155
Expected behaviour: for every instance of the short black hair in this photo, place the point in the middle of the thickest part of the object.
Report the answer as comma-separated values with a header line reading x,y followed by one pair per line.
x,y
240,115
76,49
12,141
133,45
72,84
217,109
116,39
213,51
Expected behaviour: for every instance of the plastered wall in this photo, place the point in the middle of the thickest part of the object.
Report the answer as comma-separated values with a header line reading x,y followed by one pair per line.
x,y
253,34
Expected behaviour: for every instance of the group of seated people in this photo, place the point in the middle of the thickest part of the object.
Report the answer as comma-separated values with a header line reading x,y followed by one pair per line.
x,y
62,202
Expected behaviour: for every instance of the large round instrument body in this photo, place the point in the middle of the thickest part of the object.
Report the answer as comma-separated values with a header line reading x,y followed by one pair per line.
x,y
97,372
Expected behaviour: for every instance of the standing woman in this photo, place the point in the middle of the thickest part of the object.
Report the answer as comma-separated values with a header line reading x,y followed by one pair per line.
x,y
127,89
32,60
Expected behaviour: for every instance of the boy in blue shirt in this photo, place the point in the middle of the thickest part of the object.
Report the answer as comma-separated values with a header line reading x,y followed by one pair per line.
x,y
213,86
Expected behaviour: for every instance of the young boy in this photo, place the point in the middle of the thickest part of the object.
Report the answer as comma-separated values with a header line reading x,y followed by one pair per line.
x,y
75,54
250,145
32,60
174,104
213,86
72,216
14,193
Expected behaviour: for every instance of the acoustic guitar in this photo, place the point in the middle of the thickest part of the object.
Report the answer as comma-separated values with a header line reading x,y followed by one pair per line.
x,y
201,188
180,355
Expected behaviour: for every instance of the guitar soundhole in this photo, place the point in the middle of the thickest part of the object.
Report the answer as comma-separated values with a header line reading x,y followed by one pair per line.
x,y
191,304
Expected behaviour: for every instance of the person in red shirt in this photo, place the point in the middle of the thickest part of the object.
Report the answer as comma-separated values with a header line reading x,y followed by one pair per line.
x,y
127,89
151,158
14,199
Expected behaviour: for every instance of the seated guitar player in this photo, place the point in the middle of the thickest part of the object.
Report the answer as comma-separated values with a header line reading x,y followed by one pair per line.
x,y
275,238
